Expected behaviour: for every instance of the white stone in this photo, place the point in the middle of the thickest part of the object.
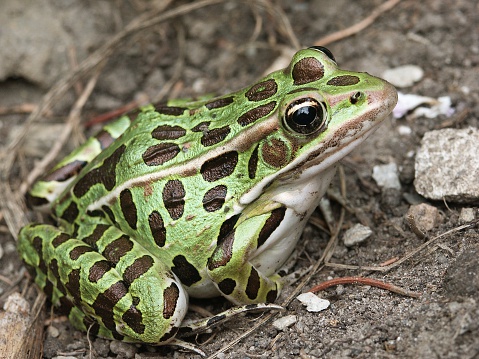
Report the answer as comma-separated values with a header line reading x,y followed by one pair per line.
x,y
312,302
284,322
356,234
403,76
386,176
467,215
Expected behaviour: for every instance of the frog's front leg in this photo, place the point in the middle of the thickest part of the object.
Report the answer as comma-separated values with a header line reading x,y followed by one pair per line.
x,y
107,280
231,266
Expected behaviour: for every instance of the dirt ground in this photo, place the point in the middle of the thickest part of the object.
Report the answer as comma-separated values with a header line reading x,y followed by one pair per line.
x,y
228,45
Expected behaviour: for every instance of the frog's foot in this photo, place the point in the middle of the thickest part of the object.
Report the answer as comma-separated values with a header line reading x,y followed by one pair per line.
x,y
192,327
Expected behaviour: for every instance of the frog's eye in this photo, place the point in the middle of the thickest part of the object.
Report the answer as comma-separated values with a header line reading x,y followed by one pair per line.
x,y
305,116
324,50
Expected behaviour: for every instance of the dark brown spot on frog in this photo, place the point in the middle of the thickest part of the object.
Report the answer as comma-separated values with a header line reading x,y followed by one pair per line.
x,y
275,153
227,286
227,227
345,80
34,201
201,127
73,285
109,213
105,301
165,132
218,103
77,252
219,167
60,239
133,317
256,113
185,271
273,222
139,267
105,174
93,326
48,289
262,90
128,208
98,270
271,296
37,243
71,212
66,172
223,252
117,249
307,70
157,228
170,299
104,138
253,163
171,334
170,110
214,198
252,288
53,266
66,306
97,233
215,136
157,155
174,198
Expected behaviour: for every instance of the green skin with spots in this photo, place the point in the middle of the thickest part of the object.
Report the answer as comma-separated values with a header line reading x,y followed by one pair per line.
x,y
204,198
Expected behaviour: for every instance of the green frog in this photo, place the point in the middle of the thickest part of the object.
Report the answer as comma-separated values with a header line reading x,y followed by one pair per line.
x,y
204,198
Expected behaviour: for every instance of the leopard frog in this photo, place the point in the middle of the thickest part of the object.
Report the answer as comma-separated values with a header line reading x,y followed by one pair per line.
x,y
205,198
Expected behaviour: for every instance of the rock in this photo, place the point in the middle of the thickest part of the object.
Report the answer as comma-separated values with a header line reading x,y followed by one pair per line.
x,y
38,41
386,176
312,302
356,234
447,165
403,76
424,215
467,215
285,322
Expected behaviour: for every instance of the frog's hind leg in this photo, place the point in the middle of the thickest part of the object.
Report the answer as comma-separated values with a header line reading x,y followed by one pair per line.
x,y
47,189
107,281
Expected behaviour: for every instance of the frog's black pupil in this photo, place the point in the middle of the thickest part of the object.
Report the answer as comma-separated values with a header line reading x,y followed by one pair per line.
x,y
305,115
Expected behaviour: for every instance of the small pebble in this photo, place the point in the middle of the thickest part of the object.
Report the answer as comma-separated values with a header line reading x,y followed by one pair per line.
x,y
312,302
425,216
403,76
285,322
467,215
386,176
53,331
356,234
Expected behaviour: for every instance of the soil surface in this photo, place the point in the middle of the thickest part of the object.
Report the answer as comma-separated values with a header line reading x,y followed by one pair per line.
x,y
221,48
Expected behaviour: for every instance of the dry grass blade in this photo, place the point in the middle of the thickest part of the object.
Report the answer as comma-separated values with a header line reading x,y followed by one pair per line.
x,y
339,35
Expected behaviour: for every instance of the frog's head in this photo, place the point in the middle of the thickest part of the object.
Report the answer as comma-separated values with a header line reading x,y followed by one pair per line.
x,y
323,113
